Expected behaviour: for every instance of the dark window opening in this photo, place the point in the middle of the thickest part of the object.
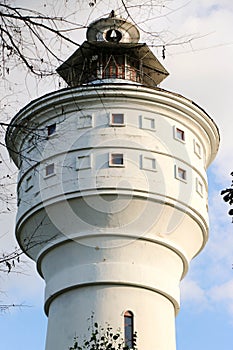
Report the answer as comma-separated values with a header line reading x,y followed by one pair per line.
x,y
182,173
49,170
51,129
113,35
118,119
180,134
128,329
116,159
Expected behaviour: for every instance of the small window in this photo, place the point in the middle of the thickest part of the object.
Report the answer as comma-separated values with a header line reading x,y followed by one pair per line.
x,y
29,183
84,121
149,163
117,119
199,187
179,134
181,174
51,129
50,169
116,159
147,123
197,148
83,162
129,329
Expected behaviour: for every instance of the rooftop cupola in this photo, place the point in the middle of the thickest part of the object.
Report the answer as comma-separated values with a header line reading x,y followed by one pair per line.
x,y
112,51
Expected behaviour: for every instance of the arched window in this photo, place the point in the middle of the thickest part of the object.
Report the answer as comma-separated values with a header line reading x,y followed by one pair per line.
x,y
128,327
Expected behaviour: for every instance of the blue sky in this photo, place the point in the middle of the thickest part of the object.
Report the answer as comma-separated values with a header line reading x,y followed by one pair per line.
x,y
202,71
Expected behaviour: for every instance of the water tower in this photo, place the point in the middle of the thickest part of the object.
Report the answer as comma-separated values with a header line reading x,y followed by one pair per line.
x,y
112,190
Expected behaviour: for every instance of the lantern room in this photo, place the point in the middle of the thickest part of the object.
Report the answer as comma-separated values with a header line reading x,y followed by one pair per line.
x,y
112,51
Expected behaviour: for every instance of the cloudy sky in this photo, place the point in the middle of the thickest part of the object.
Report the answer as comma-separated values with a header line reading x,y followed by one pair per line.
x,y
200,69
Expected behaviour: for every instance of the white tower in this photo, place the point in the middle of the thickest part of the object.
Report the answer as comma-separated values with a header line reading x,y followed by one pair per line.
x,y
112,190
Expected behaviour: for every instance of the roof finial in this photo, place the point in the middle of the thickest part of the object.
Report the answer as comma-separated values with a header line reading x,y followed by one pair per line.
x,y
112,14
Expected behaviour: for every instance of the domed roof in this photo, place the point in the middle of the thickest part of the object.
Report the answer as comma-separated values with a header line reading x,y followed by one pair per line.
x,y
113,29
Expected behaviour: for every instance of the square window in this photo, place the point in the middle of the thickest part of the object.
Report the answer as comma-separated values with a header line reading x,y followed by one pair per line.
x,y
149,163
85,121
51,129
148,123
116,159
179,134
83,162
50,169
180,173
117,119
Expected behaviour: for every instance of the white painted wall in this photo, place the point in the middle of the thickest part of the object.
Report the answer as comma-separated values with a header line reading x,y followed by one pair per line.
x,y
113,238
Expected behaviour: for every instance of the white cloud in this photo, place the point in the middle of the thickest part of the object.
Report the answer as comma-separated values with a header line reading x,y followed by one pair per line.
x,y
192,292
222,297
203,71
222,292
215,298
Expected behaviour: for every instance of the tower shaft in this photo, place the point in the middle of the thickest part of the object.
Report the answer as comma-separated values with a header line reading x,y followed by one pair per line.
x,y
112,191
